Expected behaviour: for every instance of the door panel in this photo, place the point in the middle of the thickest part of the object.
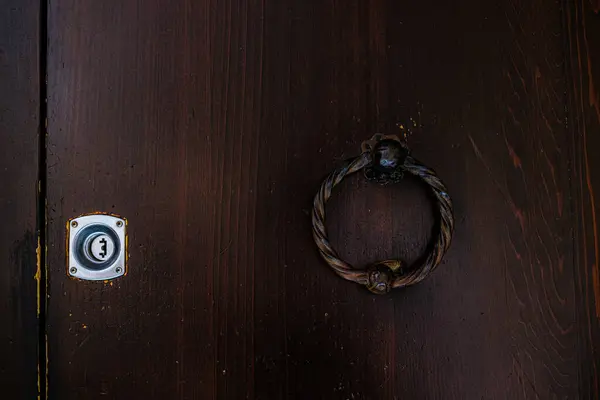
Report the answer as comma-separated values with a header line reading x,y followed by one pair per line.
x,y
209,126
583,55
19,129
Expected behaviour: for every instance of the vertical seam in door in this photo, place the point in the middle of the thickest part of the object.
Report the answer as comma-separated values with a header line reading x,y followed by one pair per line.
x,y
41,274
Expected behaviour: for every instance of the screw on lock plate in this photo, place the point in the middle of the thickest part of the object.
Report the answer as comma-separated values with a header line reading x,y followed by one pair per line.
x,y
97,247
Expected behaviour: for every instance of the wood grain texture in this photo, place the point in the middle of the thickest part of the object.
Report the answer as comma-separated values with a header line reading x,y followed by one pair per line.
x,y
19,127
210,125
582,24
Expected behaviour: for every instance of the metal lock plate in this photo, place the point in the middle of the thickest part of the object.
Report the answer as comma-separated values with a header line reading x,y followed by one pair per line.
x,y
97,247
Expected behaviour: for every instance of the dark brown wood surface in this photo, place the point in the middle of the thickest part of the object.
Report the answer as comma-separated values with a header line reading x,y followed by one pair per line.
x,y
19,132
210,124
582,26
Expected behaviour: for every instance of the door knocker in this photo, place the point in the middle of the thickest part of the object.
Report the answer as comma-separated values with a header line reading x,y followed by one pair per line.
x,y
385,159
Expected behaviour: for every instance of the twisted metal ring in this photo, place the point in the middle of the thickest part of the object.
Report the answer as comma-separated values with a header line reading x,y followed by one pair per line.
x,y
384,160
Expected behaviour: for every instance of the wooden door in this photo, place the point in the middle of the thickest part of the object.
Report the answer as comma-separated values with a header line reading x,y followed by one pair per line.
x,y
20,232
209,126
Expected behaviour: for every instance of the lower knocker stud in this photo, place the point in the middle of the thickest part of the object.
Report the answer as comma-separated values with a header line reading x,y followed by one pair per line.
x,y
385,160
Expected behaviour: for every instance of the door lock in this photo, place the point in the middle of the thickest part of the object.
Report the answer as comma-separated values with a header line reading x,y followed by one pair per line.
x,y
97,247
102,247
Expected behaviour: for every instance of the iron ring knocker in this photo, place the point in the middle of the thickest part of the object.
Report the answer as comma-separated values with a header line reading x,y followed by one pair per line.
x,y
385,159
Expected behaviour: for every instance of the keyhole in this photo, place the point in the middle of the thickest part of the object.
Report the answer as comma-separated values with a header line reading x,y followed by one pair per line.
x,y
102,247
